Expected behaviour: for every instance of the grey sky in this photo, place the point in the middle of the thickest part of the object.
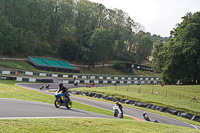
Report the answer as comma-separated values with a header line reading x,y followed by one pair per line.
x,y
157,16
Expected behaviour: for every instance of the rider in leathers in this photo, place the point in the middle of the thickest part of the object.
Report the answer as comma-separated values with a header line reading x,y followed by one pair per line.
x,y
63,89
120,108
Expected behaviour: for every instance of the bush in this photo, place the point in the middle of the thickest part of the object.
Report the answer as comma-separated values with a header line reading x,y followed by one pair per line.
x,y
120,66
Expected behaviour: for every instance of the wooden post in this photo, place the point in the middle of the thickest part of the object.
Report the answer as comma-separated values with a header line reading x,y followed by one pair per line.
x,y
152,91
128,88
166,94
115,87
180,96
194,99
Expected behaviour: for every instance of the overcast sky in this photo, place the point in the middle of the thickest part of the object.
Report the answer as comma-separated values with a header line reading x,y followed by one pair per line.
x,y
157,16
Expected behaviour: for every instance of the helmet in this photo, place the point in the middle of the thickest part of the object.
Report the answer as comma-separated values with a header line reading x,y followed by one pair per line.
x,y
144,112
117,102
60,84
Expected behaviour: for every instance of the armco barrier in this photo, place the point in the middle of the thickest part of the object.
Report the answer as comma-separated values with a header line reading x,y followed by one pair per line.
x,y
27,79
141,104
144,80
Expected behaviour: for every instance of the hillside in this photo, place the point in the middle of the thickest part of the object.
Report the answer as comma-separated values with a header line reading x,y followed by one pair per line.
x,y
23,65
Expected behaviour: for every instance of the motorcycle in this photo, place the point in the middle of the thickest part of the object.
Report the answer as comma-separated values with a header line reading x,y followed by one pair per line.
x,y
61,100
117,110
146,117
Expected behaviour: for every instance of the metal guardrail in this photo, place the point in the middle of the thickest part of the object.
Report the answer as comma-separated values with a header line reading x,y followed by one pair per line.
x,y
15,59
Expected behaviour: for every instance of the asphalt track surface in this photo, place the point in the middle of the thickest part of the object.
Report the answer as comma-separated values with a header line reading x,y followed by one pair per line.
x,y
21,109
15,109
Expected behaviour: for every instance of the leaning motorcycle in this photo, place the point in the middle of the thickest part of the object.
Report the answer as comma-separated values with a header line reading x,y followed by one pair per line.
x,y
116,110
61,100
146,117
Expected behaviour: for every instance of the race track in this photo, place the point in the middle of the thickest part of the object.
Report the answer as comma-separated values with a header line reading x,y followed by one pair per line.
x,y
33,109
13,108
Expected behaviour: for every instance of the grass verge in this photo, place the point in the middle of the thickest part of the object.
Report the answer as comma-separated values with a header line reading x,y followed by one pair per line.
x,y
84,125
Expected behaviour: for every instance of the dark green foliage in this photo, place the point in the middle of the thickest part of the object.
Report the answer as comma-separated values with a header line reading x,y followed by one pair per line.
x,y
68,49
75,30
8,37
143,47
179,58
120,66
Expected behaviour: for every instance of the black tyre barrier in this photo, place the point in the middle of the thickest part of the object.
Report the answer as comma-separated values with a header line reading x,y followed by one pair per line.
x,y
11,78
172,111
8,78
47,80
141,104
186,115
196,118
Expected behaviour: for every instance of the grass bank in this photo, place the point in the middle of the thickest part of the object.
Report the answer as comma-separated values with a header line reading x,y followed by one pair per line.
x,y
84,125
172,96
23,65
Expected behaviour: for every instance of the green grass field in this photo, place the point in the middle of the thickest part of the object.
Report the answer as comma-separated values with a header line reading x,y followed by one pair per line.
x,y
83,125
172,96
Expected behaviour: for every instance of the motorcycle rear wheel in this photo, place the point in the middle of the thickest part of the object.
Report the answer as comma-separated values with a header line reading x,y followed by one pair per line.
x,y
116,114
57,103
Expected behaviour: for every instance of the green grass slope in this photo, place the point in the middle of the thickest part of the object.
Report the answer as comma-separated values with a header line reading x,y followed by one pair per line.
x,y
85,125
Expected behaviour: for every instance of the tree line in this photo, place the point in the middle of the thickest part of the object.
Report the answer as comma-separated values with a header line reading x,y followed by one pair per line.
x,y
76,30
179,58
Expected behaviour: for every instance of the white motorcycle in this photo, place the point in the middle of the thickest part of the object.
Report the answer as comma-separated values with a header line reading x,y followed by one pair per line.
x,y
117,112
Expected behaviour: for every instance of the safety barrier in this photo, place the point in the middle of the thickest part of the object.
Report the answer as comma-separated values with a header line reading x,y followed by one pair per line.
x,y
84,76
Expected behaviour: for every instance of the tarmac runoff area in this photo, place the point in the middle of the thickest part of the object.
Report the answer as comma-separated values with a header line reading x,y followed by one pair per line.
x,y
19,109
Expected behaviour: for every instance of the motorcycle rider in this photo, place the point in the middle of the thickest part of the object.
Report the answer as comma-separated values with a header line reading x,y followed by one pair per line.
x,y
146,117
120,108
63,89
144,113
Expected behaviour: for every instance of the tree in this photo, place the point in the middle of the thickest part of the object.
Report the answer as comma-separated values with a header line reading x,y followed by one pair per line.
x,y
181,55
8,43
157,55
85,22
68,48
143,47
100,45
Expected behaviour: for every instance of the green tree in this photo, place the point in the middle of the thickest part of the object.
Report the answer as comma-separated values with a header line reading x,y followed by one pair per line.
x,y
157,55
100,45
68,48
8,37
181,55
85,23
143,46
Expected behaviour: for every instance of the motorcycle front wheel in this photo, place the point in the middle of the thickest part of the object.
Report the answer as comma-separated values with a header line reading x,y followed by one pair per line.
x,y
57,103
69,104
